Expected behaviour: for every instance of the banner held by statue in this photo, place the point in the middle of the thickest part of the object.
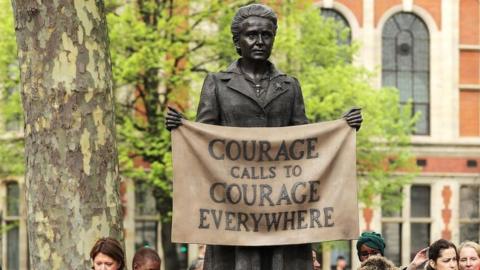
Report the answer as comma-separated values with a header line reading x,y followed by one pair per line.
x,y
264,186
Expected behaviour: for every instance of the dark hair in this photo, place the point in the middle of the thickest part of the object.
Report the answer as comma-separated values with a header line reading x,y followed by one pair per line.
x,y
110,247
143,254
340,257
436,248
257,10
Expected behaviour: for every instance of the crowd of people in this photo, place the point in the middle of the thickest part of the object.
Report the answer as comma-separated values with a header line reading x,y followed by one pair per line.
x,y
440,255
108,254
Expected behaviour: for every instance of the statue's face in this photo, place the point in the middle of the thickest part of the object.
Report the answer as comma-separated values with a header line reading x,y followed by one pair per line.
x,y
256,38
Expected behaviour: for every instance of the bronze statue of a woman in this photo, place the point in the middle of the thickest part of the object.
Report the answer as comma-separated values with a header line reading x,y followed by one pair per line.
x,y
253,93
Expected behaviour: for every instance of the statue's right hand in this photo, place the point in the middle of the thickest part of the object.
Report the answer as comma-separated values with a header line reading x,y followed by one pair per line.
x,y
173,119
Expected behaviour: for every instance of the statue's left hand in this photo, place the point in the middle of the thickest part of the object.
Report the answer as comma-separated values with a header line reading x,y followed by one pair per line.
x,y
354,118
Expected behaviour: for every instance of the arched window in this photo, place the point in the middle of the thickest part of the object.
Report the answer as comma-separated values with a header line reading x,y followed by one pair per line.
x,y
329,13
406,63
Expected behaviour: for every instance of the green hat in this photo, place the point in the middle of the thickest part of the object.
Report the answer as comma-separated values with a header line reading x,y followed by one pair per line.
x,y
372,240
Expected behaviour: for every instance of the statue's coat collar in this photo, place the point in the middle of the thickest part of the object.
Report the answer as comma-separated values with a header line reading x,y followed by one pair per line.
x,y
236,81
235,68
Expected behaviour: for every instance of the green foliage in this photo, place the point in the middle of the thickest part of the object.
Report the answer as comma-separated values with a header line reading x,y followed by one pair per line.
x,y
157,49
160,51
160,48
9,72
11,113
11,157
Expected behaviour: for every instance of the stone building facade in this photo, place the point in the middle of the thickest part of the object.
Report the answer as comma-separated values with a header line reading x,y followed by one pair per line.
x,y
430,50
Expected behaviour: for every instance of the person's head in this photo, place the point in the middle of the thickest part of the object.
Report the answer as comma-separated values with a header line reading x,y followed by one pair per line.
x,y
253,31
316,264
146,259
469,253
370,244
341,262
442,255
107,254
377,263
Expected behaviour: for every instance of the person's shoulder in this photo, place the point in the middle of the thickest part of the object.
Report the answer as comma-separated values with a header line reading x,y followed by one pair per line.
x,y
217,77
285,78
280,75
222,75
291,78
232,70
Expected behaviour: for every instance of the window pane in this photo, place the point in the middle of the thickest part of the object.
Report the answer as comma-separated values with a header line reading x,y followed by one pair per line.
x,y
392,204
419,30
12,246
420,237
388,79
420,201
12,199
145,234
404,20
391,213
343,23
420,85
421,57
388,56
404,51
390,30
422,126
145,203
340,249
470,232
404,84
469,201
392,233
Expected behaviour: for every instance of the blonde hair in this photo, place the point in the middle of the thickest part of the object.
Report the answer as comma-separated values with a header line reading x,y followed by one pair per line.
x,y
470,244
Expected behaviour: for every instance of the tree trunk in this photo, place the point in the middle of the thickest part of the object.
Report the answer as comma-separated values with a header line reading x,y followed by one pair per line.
x,y
71,157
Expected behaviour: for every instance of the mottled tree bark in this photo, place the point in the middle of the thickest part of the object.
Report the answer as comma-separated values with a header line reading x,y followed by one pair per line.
x,y
71,157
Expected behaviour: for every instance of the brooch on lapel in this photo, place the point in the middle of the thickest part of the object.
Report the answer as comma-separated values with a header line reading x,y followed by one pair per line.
x,y
278,87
